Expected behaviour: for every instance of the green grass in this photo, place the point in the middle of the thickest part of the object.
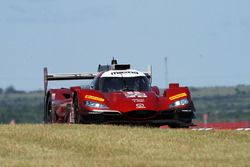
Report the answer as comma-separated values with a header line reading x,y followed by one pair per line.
x,y
107,145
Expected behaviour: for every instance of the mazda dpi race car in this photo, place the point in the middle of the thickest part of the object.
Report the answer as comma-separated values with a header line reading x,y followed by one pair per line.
x,y
119,95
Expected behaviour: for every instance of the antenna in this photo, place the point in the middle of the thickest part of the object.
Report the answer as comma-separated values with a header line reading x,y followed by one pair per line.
x,y
166,70
114,61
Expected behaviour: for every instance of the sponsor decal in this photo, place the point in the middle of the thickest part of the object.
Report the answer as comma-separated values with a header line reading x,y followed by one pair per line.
x,y
124,72
140,105
94,98
178,96
134,94
138,100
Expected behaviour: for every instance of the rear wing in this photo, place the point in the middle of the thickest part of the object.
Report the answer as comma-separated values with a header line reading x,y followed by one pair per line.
x,y
64,76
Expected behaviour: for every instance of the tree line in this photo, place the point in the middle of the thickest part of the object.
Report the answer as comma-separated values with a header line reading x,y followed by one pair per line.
x,y
10,90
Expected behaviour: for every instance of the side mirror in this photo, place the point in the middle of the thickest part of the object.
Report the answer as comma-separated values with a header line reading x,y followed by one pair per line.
x,y
174,85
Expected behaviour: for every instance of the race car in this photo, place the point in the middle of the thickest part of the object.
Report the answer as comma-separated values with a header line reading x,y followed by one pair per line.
x,y
117,95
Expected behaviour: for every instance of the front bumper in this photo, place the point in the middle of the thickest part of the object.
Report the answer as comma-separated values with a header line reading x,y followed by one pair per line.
x,y
180,116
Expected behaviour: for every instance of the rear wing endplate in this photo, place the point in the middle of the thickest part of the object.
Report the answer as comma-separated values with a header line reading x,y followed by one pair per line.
x,y
149,73
64,76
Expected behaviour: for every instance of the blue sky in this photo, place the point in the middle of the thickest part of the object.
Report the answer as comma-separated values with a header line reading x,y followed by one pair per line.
x,y
207,42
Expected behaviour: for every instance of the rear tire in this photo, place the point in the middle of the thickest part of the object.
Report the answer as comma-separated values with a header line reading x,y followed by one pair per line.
x,y
49,115
47,112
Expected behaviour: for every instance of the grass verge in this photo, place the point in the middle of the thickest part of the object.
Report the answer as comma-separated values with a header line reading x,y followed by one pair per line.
x,y
107,145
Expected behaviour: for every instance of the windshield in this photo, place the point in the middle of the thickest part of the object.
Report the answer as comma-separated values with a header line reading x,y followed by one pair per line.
x,y
116,84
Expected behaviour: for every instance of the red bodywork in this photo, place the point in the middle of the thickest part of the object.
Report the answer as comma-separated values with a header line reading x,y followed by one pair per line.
x,y
174,107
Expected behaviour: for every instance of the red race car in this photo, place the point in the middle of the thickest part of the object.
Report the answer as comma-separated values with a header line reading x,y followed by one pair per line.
x,y
119,95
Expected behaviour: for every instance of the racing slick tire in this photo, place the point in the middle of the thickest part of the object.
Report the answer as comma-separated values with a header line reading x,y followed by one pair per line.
x,y
49,114
47,111
77,116
182,124
177,125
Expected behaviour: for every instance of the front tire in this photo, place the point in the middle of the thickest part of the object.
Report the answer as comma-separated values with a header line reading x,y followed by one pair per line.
x,y
77,116
181,124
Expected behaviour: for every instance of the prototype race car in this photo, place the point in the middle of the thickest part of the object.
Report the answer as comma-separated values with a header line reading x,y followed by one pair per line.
x,y
120,95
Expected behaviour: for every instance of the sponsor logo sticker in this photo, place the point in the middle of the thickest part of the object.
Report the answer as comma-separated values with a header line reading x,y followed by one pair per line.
x,y
134,94
94,98
140,105
138,100
178,96
125,72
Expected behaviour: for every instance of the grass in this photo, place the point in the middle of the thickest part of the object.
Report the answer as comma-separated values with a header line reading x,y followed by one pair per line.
x,y
107,145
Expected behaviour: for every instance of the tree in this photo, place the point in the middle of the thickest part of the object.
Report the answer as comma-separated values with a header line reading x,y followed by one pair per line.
x,y
10,89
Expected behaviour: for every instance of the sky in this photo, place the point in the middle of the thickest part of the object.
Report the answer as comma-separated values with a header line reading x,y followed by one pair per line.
x,y
206,42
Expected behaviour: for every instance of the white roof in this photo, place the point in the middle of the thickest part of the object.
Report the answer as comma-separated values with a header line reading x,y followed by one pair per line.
x,y
123,73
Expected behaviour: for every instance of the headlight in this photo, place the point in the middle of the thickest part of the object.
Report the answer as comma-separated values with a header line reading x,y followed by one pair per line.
x,y
178,103
95,104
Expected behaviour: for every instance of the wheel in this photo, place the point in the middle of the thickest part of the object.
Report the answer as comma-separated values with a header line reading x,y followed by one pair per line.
x,y
77,116
47,111
49,115
70,118
178,125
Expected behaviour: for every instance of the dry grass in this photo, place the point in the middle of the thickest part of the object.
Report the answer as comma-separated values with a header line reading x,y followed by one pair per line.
x,y
106,145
